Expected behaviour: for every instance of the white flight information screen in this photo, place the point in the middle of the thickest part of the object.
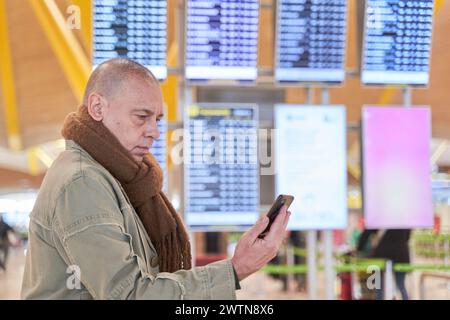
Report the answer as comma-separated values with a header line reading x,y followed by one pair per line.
x,y
310,44
310,163
221,167
397,42
134,29
221,40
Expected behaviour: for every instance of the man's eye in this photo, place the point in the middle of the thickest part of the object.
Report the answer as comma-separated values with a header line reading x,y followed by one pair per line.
x,y
142,117
158,119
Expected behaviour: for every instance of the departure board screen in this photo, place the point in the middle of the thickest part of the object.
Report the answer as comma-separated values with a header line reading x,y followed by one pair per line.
x,y
134,29
310,42
222,40
158,150
397,42
221,167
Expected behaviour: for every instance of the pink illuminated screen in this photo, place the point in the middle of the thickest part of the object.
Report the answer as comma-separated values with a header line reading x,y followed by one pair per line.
x,y
396,167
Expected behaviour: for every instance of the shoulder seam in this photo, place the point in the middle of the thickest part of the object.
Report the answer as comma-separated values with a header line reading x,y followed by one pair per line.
x,y
74,179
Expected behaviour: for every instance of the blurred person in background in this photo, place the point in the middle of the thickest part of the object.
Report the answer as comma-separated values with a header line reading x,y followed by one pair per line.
x,y
6,232
391,244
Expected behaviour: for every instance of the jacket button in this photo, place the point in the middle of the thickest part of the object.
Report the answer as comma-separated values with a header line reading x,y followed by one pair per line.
x,y
154,262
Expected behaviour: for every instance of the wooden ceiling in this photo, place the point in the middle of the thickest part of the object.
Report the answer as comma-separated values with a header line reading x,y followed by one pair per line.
x,y
11,179
43,94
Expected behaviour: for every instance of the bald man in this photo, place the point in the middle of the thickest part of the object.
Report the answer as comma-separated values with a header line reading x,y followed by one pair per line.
x,y
102,228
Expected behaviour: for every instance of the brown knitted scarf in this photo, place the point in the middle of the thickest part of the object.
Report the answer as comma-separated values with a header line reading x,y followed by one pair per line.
x,y
142,183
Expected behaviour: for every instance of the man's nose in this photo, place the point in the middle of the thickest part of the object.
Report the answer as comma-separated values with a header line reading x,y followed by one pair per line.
x,y
153,131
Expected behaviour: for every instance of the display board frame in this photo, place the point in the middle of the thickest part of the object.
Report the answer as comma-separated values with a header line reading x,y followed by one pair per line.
x,y
364,171
217,82
210,227
315,83
161,73
397,83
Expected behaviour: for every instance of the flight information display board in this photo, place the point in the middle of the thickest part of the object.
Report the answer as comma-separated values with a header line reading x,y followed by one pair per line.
x,y
221,167
159,149
397,42
310,151
134,29
396,167
221,40
310,43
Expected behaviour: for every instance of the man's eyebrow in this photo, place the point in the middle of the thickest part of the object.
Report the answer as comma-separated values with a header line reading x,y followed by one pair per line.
x,y
149,112
145,110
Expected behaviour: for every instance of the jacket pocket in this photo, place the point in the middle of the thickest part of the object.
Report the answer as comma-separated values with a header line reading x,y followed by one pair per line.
x,y
141,239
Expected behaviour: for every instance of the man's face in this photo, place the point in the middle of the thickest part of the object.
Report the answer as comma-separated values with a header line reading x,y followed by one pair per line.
x,y
132,115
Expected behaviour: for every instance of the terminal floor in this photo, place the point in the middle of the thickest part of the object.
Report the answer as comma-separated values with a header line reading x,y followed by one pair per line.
x,y
256,287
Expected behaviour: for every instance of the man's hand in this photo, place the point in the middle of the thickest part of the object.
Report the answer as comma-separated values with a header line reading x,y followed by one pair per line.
x,y
252,253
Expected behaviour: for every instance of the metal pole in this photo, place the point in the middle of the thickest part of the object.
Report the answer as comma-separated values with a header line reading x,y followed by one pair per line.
x,y
328,235
312,264
422,290
325,95
389,282
407,102
290,262
329,265
311,238
309,95
446,250
414,275
407,96
185,100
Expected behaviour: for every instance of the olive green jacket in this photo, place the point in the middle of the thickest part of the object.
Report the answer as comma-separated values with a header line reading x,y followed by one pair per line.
x,y
87,242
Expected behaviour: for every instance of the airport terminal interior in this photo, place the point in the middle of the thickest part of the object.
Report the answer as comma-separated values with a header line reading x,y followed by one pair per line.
x,y
343,104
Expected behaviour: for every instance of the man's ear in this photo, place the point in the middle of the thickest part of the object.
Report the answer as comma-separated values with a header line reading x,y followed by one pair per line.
x,y
96,105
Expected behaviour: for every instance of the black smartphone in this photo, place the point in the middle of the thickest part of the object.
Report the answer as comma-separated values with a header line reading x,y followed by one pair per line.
x,y
282,199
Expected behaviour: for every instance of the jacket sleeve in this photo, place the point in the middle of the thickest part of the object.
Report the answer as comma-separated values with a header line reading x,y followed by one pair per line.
x,y
90,229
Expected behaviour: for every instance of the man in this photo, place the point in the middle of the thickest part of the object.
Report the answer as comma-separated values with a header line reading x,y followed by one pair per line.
x,y
4,242
101,227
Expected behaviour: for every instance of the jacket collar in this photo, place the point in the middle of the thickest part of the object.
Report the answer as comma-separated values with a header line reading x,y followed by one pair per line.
x,y
72,145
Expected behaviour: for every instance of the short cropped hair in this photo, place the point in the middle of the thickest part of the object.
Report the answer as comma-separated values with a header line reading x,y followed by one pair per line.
x,y
110,76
